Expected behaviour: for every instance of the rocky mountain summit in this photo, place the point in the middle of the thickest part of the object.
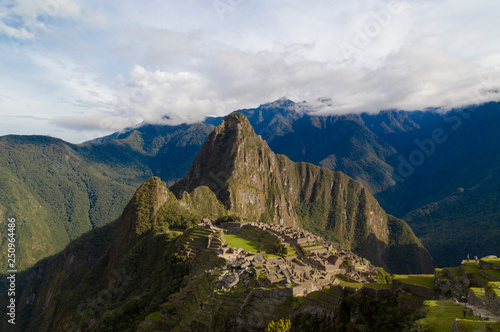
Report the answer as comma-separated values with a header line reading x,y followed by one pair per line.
x,y
254,183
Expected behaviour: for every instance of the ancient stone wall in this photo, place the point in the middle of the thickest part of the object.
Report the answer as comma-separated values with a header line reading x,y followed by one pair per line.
x,y
492,300
474,299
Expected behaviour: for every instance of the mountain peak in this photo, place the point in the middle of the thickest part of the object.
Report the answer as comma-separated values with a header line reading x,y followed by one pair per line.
x,y
232,146
234,123
254,183
282,102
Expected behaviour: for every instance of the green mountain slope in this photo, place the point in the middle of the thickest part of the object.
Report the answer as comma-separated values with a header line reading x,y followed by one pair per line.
x,y
54,194
460,214
58,191
119,275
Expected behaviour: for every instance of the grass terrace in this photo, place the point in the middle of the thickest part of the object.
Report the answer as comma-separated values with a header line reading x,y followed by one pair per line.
x,y
379,286
478,291
475,270
493,273
467,325
351,284
442,315
455,270
254,247
495,288
425,280
495,261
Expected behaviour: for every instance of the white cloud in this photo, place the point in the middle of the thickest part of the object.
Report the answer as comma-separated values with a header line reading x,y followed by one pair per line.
x,y
26,19
53,8
22,33
172,62
169,98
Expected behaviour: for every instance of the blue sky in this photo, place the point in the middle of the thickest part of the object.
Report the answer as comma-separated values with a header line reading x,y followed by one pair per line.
x,y
82,69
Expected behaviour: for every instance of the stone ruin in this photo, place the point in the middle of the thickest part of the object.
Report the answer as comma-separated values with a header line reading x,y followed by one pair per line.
x,y
310,263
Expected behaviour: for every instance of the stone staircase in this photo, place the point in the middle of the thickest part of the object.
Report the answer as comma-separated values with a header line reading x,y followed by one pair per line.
x,y
480,312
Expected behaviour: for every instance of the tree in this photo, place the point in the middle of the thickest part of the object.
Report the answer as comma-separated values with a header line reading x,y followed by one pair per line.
x,y
283,325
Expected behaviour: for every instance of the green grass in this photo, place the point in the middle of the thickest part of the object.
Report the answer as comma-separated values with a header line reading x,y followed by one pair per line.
x,y
478,291
311,245
467,325
351,284
341,278
236,241
378,286
495,288
442,315
494,273
251,246
495,261
426,280
455,270
475,270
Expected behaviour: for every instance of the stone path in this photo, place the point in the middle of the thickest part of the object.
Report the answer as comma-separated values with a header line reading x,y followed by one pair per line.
x,y
484,314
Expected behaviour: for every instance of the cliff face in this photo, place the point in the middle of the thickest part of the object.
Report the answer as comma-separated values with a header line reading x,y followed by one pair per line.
x,y
240,169
256,184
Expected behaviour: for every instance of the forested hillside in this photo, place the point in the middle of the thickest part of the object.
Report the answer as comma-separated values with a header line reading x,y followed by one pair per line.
x,y
56,191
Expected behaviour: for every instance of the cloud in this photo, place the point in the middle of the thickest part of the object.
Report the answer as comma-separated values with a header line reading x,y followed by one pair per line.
x,y
415,77
93,122
171,62
25,19
168,98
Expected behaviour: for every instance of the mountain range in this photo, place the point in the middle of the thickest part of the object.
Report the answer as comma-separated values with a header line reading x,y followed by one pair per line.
x,y
438,171
113,276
